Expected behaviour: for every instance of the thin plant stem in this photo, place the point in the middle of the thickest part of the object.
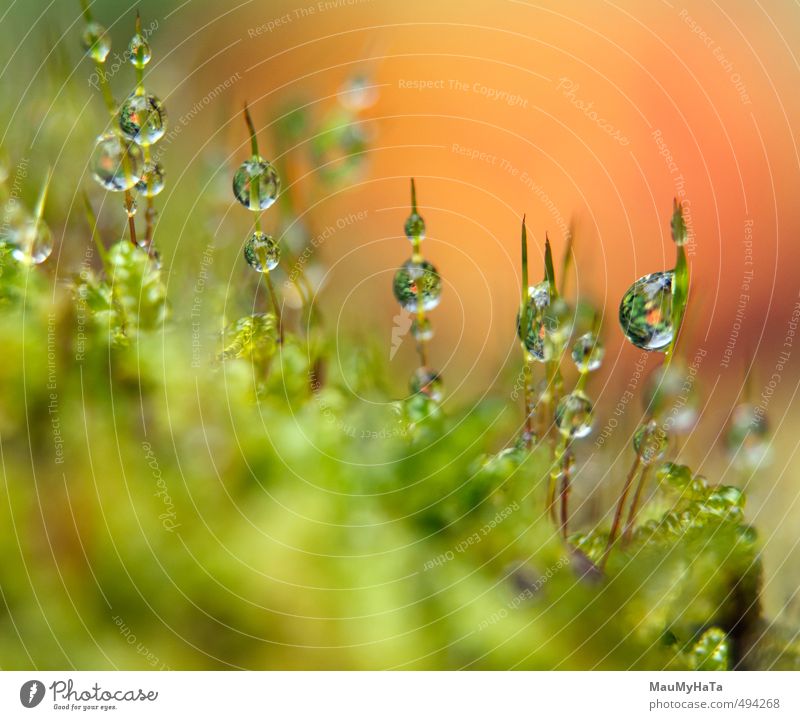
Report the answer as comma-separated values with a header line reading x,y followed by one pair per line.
x,y
564,490
628,532
150,210
91,219
255,207
523,323
417,256
626,488
111,106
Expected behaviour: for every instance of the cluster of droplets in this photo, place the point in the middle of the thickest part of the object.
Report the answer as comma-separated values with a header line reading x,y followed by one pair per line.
x,y
256,185
650,314
123,160
417,286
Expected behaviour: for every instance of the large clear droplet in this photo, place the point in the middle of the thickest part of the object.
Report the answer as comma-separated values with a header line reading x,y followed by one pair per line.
x,y
414,280
139,51
427,382
96,42
260,171
646,309
587,353
152,181
262,252
34,243
143,119
116,164
650,442
747,437
574,415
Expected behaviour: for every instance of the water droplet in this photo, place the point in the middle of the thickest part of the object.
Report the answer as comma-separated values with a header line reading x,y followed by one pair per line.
x,y
677,476
256,169
723,501
650,442
142,119
116,165
539,295
669,393
747,437
729,494
587,353
415,227
139,50
33,243
357,94
574,415
96,41
534,337
427,382
152,181
131,208
646,309
262,252
414,280
422,331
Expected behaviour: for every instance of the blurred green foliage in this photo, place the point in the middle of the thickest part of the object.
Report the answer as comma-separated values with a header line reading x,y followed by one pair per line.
x,y
157,514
